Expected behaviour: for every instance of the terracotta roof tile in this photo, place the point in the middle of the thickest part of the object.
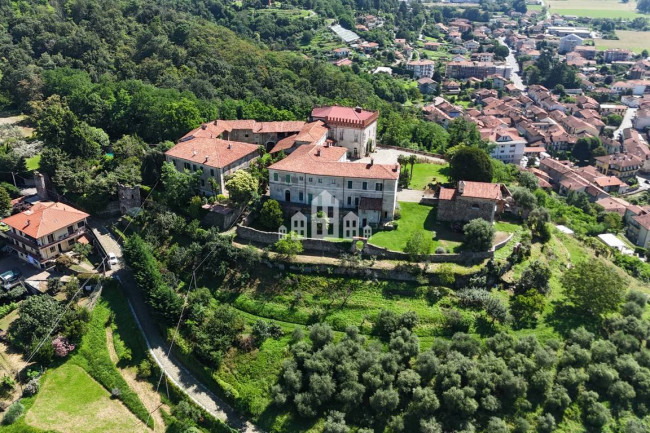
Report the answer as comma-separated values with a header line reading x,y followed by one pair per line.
x,y
345,115
45,218
327,161
211,152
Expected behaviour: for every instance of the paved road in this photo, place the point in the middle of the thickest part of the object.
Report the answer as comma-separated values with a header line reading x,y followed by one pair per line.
x,y
627,121
512,62
159,349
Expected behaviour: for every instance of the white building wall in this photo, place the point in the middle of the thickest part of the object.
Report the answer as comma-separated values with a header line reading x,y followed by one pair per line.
x,y
354,139
302,188
509,152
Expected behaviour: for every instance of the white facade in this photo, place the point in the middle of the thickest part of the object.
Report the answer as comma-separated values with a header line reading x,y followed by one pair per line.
x,y
421,68
358,141
569,43
508,150
302,188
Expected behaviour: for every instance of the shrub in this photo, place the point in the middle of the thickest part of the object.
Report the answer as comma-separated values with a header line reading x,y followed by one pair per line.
x,y
479,235
144,369
13,413
62,347
32,387
440,250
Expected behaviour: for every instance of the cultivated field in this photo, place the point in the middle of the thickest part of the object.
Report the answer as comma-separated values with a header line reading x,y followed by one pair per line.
x,y
628,39
594,8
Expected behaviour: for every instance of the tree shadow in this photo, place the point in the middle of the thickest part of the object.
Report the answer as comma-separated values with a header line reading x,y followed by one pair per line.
x,y
565,317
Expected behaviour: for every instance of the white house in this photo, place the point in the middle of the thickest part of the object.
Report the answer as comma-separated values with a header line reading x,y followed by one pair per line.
x,y
354,129
509,146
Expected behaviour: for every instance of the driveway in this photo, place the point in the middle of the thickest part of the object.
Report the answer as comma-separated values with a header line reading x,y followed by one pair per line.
x,y
627,121
37,277
410,195
512,62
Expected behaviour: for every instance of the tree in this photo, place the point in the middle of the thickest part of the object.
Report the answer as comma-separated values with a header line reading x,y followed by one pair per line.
x,y
289,246
412,160
478,235
528,180
241,187
335,423
5,202
35,318
536,276
463,132
594,287
526,307
524,199
271,216
470,163
180,187
82,250
418,246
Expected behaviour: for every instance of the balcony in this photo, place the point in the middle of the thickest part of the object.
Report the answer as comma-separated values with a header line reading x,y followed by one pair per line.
x,y
80,231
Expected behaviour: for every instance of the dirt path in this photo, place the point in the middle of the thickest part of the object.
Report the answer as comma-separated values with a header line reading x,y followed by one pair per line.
x,y
150,398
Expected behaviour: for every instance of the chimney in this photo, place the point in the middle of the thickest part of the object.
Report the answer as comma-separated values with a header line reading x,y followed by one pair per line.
x,y
229,145
396,168
28,223
461,186
372,161
357,109
317,152
204,126
206,159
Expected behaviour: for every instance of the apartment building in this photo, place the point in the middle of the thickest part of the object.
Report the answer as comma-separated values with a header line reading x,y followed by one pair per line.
x,y
616,55
621,165
355,129
569,43
368,188
508,145
421,68
41,233
480,70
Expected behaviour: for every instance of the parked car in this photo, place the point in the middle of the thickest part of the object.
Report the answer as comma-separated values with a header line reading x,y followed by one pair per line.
x,y
112,259
10,278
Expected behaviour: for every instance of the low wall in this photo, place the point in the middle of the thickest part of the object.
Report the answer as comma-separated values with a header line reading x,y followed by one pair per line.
x,y
258,236
309,244
503,243
465,257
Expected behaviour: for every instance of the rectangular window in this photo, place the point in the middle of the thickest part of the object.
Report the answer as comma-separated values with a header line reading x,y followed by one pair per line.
x,y
349,184
347,223
212,172
287,178
202,182
302,223
300,196
310,198
311,180
52,249
186,165
333,181
193,167
301,178
365,186
320,180
71,242
295,223
347,233
379,186
70,230
349,201
275,177
354,223
356,201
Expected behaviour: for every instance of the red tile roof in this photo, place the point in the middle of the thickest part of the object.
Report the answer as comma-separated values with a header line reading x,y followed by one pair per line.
x,y
346,116
45,218
284,144
447,193
484,190
644,220
326,161
211,152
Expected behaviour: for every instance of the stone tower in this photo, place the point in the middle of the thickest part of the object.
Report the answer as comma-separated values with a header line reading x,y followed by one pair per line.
x,y
129,197
41,180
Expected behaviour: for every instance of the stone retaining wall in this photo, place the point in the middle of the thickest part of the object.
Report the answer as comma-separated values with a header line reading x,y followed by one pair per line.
x,y
465,257
309,244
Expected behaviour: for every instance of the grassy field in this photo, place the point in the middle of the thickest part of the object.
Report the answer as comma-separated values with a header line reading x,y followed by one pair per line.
x,y
424,174
416,217
627,39
594,8
70,400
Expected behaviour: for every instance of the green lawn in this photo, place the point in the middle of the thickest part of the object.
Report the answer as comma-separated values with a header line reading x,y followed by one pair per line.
x,y
424,174
627,39
594,8
71,401
415,217
33,163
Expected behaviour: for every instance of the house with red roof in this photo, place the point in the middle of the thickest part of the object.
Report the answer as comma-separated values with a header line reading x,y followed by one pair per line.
x,y
352,128
369,189
41,233
471,200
